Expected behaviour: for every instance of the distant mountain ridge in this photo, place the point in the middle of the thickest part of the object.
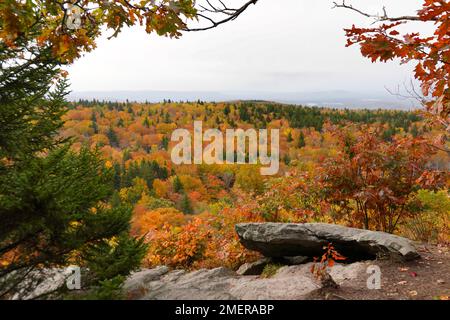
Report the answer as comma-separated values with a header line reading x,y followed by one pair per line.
x,y
334,99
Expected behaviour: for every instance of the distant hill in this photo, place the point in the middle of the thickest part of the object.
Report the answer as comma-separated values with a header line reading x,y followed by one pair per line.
x,y
334,99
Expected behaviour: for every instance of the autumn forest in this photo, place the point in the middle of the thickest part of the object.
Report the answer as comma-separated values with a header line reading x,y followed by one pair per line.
x,y
187,213
95,203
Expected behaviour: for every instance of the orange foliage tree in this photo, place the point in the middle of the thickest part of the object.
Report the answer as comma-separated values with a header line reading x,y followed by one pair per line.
x,y
430,53
378,177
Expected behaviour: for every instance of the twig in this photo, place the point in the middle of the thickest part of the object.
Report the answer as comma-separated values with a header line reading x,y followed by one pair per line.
x,y
378,17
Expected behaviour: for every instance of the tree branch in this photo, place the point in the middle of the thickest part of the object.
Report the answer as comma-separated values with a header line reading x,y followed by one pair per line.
x,y
231,14
377,17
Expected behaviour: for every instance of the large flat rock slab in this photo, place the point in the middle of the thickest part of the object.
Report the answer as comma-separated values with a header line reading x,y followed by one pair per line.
x,y
218,284
308,239
288,283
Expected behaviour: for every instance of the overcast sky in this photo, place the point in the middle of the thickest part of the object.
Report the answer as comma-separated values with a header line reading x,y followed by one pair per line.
x,y
276,46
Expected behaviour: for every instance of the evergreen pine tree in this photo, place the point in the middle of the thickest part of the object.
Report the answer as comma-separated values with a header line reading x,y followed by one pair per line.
x,y
112,136
167,118
52,200
226,110
414,130
165,143
177,185
301,140
94,125
289,137
185,205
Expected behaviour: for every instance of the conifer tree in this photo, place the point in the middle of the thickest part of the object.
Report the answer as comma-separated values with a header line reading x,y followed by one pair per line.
x,y
94,123
186,206
112,136
177,185
301,140
53,201
289,137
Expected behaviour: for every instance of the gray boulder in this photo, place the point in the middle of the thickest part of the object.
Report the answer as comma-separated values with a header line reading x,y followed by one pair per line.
x,y
278,287
288,283
218,284
308,239
202,284
135,285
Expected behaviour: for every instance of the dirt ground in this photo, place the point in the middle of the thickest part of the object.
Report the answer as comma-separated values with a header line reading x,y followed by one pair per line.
x,y
427,278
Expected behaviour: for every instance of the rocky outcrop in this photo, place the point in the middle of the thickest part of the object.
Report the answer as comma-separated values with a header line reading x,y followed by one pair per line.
x,y
290,283
289,244
39,283
308,239
159,284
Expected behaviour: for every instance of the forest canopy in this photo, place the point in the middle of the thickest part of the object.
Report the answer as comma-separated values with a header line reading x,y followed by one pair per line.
x,y
92,183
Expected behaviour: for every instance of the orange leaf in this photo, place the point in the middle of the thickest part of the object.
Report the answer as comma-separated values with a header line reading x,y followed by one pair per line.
x,y
330,262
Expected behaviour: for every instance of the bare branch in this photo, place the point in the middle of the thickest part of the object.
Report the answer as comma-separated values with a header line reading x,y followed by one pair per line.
x,y
216,10
377,17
